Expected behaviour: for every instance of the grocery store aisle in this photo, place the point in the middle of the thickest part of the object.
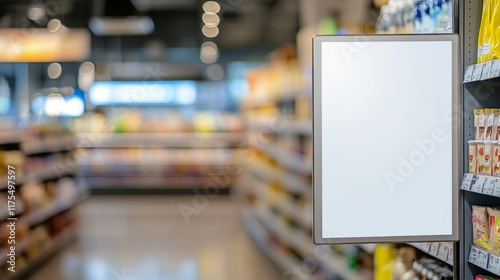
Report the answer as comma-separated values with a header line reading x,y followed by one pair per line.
x,y
146,237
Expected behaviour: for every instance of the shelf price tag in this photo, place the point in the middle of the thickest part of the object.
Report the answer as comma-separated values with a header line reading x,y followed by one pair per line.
x,y
425,247
496,189
467,181
443,252
489,185
476,74
482,258
495,68
494,264
434,249
468,73
473,255
486,70
449,259
477,186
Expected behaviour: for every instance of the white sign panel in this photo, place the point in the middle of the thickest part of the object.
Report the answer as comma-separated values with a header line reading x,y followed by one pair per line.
x,y
385,140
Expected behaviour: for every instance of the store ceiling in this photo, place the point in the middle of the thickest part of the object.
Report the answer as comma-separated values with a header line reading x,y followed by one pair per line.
x,y
244,24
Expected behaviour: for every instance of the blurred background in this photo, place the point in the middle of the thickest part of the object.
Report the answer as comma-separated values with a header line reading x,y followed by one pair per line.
x,y
171,139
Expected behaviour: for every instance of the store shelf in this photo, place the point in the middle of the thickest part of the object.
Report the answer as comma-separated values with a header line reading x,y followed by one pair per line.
x,y
485,259
20,249
4,213
286,159
53,171
281,127
10,137
54,246
269,99
302,242
164,162
482,71
55,208
285,261
487,185
290,182
296,239
127,181
284,204
440,250
50,145
165,140
338,265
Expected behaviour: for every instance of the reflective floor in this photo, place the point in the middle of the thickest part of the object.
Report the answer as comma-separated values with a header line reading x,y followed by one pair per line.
x,y
143,237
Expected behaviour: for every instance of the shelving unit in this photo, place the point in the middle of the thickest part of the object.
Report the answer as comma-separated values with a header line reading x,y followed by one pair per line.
x,y
49,145
481,72
284,127
50,249
43,162
479,90
485,259
277,185
440,250
159,140
155,162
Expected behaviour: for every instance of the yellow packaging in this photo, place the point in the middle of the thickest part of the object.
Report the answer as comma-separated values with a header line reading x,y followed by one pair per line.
x,y
472,157
494,225
383,257
480,226
495,30
484,36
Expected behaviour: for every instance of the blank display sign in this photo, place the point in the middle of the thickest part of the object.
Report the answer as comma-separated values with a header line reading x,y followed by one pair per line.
x,y
386,137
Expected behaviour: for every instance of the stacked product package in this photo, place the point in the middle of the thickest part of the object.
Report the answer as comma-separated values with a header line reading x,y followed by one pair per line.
x,y
489,32
484,151
486,227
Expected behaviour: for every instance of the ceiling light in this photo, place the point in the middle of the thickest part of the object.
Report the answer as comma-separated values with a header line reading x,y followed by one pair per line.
x,y
54,70
215,72
209,52
210,31
211,7
210,19
115,26
54,105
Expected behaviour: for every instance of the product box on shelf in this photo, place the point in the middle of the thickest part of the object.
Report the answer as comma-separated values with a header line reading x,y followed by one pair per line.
x,y
484,151
486,228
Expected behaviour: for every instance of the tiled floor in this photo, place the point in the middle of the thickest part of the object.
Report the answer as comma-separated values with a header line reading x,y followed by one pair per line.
x,y
146,237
